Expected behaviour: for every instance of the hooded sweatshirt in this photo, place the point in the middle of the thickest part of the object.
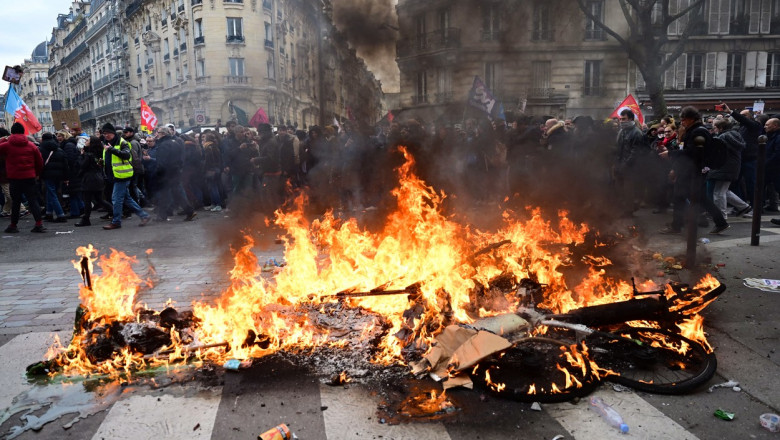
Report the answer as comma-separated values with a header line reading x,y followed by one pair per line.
x,y
22,158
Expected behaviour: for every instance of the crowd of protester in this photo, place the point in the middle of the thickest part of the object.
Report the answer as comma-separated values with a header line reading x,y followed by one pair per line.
x,y
157,176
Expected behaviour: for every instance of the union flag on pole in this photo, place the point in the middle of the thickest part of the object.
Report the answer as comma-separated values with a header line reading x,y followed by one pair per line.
x,y
630,104
21,112
148,119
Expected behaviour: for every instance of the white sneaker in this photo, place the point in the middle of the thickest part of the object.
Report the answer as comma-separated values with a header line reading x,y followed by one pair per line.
x,y
208,208
748,214
216,209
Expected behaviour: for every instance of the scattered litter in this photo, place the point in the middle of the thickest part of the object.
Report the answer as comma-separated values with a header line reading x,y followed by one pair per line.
x,y
770,422
279,432
196,427
763,284
721,264
609,414
620,388
63,232
236,364
558,437
729,384
704,240
724,415
737,389
536,407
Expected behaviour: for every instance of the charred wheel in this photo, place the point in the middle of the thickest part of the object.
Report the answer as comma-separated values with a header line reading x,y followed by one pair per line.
x,y
537,369
652,360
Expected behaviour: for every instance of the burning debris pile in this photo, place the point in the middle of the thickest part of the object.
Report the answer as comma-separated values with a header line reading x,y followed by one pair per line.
x,y
389,298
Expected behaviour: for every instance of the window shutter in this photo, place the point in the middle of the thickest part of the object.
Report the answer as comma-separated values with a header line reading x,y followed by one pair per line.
x,y
765,16
681,69
755,16
720,69
682,23
750,69
669,76
714,22
761,59
640,80
725,12
672,29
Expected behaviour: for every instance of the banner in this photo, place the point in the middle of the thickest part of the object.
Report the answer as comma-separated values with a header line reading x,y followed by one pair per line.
x,y
482,99
630,104
241,118
69,117
148,118
260,117
21,112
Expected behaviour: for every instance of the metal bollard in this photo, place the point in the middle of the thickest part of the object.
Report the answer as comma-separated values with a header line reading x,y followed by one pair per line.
x,y
758,193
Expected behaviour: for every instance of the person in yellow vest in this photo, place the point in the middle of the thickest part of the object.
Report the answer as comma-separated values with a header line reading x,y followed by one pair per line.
x,y
117,160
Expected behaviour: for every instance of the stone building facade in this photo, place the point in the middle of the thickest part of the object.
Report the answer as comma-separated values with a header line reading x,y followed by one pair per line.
x,y
544,57
34,87
190,60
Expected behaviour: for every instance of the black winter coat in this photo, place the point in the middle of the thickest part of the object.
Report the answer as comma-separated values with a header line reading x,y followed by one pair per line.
x,y
73,156
55,163
91,173
730,170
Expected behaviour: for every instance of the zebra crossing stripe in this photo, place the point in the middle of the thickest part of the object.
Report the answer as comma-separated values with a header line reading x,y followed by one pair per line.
x,y
643,419
351,415
17,354
161,416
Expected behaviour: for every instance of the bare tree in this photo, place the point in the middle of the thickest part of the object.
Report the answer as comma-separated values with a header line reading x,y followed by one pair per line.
x,y
648,37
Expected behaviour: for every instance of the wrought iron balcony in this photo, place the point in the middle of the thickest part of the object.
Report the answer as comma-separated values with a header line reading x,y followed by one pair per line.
x,y
110,108
269,44
419,99
593,91
235,80
540,92
200,40
183,47
235,39
443,97
197,2
542,35
41,80
447,38
164,22
133,8
180,8
597,34
491,35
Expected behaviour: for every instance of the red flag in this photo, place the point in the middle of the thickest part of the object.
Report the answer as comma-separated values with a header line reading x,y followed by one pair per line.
x,y
260,117
630,104
148,119
22,113
390,117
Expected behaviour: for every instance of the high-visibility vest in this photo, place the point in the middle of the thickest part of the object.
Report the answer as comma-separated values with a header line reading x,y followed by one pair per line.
x,y
122,169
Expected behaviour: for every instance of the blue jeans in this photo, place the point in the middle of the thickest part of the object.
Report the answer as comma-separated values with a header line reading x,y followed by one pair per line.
x,y
52,200
76,204
119,198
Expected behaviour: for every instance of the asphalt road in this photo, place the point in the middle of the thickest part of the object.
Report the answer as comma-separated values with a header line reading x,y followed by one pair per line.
x,y
37,297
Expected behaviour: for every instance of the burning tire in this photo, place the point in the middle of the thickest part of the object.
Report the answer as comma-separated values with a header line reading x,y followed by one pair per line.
x,y
653,360
537,369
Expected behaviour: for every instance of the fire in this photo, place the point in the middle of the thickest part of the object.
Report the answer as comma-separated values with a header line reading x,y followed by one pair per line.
x,y
498,387
693,329
426,259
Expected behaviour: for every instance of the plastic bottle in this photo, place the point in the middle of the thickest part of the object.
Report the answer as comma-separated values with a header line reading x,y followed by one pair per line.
x,y
608,414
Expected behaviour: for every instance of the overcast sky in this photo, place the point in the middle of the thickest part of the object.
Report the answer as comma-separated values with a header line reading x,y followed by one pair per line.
x,y
25,25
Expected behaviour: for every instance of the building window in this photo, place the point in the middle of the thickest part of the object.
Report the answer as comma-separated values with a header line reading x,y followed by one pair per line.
x,y
235,32
541,73
166,49
592,82
541,22
773,70
592,30
198,25
490,22
694,73
734,69
271,70
419,31
269,35
236,66
763,15
200,68
168,80
421,90
719,17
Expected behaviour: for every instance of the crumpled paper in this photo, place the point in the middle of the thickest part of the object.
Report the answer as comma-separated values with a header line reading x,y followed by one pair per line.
x,y
763,284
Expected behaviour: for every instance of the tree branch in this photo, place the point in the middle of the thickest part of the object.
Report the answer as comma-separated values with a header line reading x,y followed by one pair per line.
x,y
669,19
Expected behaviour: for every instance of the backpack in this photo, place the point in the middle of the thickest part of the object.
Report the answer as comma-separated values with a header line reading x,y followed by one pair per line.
x,y
716,153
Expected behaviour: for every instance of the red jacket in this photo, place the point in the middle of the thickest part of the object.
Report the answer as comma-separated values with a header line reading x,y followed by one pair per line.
x,y
22,158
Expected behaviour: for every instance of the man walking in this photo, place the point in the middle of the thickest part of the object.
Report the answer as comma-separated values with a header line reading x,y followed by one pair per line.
x,y
23,164
117,162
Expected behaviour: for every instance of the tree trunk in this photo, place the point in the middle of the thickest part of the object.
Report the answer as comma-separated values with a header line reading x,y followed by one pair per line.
x,y
654,82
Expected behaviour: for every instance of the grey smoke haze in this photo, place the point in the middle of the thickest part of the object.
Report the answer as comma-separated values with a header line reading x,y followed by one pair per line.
x,y
365,24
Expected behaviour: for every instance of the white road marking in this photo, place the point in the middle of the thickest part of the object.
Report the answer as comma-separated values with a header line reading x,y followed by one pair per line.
x,y
17,354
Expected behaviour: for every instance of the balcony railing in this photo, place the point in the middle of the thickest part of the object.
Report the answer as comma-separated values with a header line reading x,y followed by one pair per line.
x,y
542,35
491,35
68,38
176,52
269,44
233,80
167,57
443,97
133,8
447,38
197,2
76,52
110,108
540,92
41,80
235,39
180,8
199,40
164,22
267,5
233,1
106,80
183,47
201,80
593,91
595,34
99,25
419,99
